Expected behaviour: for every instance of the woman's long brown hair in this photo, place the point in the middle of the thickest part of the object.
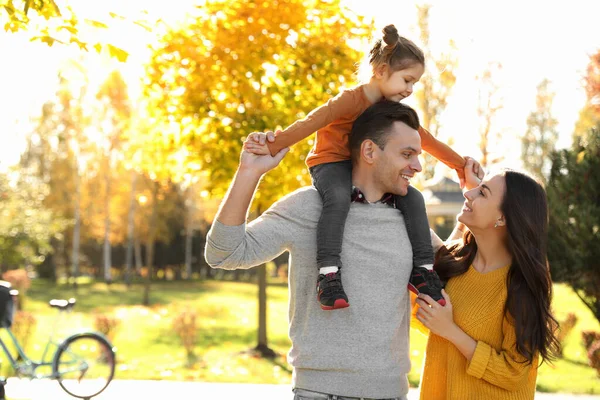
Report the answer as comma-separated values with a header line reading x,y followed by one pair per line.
x,y
525,209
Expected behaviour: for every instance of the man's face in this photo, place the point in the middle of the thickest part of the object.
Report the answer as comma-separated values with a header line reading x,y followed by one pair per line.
x,y
398,162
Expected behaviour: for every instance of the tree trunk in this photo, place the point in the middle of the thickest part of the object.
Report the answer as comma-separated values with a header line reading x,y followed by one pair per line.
x,y
189,233
76,230
130,228
150,244
263,347
137,249
106,248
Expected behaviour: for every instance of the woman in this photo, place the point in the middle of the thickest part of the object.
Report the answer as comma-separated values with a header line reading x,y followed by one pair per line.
x,y
486,342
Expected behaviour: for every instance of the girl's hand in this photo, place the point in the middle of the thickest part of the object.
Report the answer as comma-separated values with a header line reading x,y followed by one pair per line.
x,y
474,173
258,163
438,319
256,143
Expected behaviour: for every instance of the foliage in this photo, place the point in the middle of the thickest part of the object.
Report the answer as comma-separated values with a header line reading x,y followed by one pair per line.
x,y
51,22
566,326
436,84
592,82
27,227
589,337
106,324
239,67
594,356
186,326
574,232
490,101
23,327
541,135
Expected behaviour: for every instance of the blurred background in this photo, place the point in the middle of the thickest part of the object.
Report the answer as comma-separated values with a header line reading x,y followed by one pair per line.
x,y
121,125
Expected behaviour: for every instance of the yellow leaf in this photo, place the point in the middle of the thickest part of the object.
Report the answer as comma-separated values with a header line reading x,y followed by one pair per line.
x,y
96,24
580,157
117,53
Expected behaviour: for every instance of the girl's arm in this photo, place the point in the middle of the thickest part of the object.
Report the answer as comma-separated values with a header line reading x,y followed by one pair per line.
x,y
345,104
442,152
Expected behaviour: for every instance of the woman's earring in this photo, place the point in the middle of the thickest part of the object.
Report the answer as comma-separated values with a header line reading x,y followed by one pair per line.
x,y
496,224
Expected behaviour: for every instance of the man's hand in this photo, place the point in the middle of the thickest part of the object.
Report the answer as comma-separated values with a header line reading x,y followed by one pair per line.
x,y
259,163
474,173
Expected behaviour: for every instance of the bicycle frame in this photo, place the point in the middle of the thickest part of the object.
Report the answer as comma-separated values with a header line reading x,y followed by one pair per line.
x,y
27,367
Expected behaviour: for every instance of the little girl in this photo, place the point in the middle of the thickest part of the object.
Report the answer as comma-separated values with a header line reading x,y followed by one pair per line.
x,y
397,64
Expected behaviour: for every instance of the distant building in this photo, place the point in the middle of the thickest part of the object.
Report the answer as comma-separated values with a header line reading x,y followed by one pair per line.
x,y
444,200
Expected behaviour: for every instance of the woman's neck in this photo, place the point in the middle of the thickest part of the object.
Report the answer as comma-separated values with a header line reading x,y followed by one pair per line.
x,y
492,252
372,91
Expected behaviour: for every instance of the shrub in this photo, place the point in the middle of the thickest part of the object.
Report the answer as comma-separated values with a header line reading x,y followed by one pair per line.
x,y
186,327
23,326
107,325
566,326
589,337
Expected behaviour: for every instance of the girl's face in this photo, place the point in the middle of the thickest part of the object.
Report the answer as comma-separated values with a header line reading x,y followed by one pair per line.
x,y
398,85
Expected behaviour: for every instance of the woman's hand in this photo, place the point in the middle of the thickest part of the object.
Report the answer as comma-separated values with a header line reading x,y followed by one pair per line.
x,y
438,319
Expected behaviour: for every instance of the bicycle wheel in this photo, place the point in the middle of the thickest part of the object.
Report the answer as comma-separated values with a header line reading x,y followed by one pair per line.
x,y
84,365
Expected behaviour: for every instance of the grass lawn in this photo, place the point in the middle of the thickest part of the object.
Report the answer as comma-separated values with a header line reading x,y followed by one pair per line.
x,y
148,348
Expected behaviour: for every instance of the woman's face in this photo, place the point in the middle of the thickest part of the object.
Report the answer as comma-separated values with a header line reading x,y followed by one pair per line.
x,y
482,204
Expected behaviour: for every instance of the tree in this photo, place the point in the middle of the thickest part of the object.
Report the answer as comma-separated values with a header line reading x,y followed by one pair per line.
x,y
435,85
574,231
589,116
541,135
56,154
489,103
115,114
27,226
52,22
592,82
281,63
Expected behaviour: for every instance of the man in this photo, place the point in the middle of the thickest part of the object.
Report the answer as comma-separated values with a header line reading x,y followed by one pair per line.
x,y
361,351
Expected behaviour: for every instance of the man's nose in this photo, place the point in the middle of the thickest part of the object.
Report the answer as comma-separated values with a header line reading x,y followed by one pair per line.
x,y
416,165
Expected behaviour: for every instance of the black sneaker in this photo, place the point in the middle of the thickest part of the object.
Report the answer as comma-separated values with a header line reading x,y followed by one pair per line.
x,y
330,292
423,280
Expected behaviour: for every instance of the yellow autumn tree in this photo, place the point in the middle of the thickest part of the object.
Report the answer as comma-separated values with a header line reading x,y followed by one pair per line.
x,y
242,66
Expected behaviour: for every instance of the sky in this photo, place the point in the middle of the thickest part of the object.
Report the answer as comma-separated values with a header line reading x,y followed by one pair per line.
x,y
532,40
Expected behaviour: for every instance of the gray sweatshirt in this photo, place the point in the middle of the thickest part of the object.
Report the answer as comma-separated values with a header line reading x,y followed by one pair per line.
x,y
359,351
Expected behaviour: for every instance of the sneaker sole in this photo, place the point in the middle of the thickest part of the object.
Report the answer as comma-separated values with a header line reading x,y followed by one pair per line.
x,y
412,288
339,303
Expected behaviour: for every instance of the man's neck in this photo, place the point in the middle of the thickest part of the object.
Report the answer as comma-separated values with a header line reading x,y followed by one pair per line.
x,y
367,186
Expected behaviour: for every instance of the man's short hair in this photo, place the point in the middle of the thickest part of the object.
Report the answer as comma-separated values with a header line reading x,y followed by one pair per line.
x,y
375,123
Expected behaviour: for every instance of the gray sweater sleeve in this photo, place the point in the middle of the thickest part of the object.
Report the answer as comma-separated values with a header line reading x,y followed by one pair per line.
x,y
245,246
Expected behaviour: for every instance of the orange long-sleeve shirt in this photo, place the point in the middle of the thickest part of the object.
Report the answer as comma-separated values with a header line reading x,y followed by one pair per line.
x,y
333,122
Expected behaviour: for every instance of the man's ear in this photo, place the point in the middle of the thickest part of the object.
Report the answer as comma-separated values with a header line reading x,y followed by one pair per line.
x,y
368,151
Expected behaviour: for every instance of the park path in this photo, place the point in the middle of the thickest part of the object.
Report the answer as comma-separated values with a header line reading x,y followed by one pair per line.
x,y
21,389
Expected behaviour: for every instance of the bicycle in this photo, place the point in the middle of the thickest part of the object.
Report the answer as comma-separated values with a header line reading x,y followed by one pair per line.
x,y
83,363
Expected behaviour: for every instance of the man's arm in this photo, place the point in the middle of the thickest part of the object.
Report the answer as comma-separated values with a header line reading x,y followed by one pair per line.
x,y
229,244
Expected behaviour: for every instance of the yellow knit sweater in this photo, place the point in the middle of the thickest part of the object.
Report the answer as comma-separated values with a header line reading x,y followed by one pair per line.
x,y
496,370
